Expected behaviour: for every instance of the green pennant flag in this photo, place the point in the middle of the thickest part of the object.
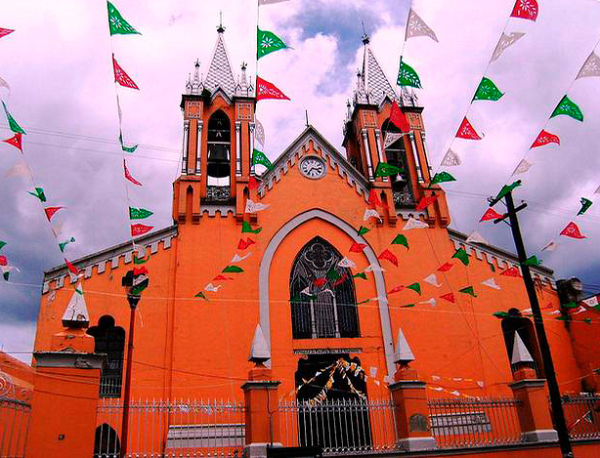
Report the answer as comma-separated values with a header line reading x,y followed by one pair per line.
x,y
363,302
415,287
562,318
267,42
407,76
570,305
487,90
137,289
258,157
296,299
501,315
62,245
138,261
533,261
139,213
332,275
401,240
569,108
442,177
232,270
386,170
116,23
2,244
360,275
506,189
6,275
247,228
363,230
407,306
585,205
14,126
462,255
468,290
201,295
127,149
39,193
587,320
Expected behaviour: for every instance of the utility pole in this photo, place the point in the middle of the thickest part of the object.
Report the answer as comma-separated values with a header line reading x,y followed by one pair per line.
x,y
555,401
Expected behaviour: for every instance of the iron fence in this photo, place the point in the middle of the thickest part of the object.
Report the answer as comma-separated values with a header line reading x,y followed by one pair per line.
x,y
14,422
461,423
582,414
110,386
171,428
339,426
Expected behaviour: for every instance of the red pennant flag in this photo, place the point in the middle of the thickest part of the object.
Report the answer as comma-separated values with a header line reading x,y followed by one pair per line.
x,y
121,77
545,138
266,90
467,131
398,118
243,244
320,282
572,230
375,201
388,255
252,183
4,32
426,202
140,229
3,260
511,272
490,214
51,211
140,270
74,270
357,247
547,306
221,278
16,141
449,297
526,9
341,280
445,267
397,289
128,175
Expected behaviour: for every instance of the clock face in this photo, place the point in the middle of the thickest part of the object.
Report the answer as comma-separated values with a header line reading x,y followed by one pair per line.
x,y
312,167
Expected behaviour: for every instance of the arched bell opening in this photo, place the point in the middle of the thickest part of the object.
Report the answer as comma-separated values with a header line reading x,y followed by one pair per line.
x,y
395,154
219,150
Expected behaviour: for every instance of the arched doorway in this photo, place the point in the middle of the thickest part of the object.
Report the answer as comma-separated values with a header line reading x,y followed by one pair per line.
x,y
106,442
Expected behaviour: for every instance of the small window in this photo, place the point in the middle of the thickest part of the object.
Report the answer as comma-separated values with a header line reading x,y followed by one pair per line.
x,y
322,294
110,340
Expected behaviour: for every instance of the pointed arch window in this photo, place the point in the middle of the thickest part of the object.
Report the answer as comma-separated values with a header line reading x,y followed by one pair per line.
x,y
396,155
322,294
219,149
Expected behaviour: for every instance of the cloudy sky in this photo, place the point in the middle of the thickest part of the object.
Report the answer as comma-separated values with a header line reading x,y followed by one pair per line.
x,y
58,64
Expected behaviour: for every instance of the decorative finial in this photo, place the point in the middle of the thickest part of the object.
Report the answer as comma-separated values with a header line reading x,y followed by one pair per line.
x,y
76,314
244,66
365,37
260,352
520,354
404,354
197,64
220,29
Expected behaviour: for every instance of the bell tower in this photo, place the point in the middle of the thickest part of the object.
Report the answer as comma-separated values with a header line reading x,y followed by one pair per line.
x,y
370,139
218,128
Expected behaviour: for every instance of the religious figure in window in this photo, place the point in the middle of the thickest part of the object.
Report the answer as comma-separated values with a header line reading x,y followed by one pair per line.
x,y
322,294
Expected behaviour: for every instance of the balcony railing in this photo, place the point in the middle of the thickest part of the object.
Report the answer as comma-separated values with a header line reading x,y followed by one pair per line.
x,y
582,414
110,386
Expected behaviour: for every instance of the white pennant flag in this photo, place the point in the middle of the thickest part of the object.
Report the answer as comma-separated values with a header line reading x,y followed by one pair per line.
x,y
505,42
451,159
455,393
491,283
57,227
371,213
238,258
212,288
413,223
3,83
429,302
259,132
550,246
416,27
591,301
480,383
268,2
253,207
119,112
306,291
374,268
391,138
345,262
477,238
555,312
597,191
432,280
18,170
579,310
373,371
523,167
591,67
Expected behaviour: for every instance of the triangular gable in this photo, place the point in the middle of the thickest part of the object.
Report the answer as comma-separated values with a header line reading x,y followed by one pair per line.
x,y
219,73
294,152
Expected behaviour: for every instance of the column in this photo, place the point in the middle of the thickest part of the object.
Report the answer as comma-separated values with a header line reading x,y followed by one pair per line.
x,y
186,138
368,154
199,147
238,144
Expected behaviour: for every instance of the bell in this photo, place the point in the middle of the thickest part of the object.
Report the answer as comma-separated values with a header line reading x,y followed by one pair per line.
x,y
218,161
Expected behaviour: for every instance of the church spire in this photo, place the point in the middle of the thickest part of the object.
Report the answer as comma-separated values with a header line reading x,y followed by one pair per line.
x,y
220,75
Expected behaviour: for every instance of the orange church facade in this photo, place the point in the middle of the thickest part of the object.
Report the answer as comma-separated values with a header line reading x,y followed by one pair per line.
x,y
317,301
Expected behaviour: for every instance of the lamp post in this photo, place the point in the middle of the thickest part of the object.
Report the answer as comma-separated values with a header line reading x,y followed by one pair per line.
x,y
135,281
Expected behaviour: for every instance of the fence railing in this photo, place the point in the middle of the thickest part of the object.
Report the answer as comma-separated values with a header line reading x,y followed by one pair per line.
x,y
172,428
460,423
582,414
339,427
110,386
14,422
